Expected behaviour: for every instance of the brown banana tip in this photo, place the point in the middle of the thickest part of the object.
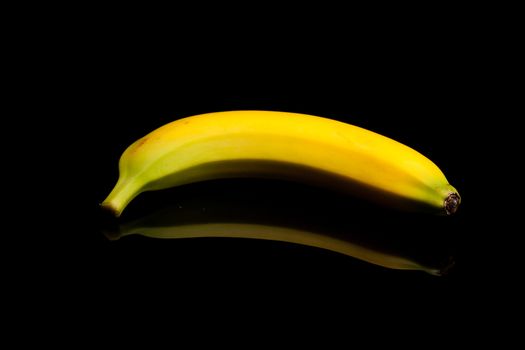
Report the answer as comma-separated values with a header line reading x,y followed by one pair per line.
x,y
108,223
451,203
109,209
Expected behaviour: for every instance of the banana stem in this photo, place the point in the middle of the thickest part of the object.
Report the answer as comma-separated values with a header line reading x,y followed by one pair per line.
x,y
123,193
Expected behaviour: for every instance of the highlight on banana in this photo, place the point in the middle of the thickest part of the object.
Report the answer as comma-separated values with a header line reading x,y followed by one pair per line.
x,y
282,145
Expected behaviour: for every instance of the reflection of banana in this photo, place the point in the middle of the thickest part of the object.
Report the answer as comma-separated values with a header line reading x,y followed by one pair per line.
x,y
279,144
341,244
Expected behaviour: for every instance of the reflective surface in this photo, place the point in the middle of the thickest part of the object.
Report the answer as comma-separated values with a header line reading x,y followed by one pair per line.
x,y
296,214
424,90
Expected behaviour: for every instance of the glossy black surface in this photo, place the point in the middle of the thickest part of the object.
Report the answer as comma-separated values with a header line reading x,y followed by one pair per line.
x,y
109,102
407,118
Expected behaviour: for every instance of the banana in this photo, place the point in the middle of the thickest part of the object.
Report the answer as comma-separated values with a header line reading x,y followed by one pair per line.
x,y
283,145
166,225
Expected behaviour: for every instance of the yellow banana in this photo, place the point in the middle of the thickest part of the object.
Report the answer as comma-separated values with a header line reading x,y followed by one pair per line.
x,y
280,144
167,225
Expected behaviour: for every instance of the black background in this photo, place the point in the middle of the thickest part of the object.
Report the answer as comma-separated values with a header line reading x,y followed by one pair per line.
x,y
104,88
416,104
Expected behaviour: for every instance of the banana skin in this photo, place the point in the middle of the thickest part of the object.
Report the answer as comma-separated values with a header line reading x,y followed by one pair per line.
x,y
281,145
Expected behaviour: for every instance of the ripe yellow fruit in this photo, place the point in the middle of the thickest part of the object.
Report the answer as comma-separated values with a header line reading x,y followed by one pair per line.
x,y
281,144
